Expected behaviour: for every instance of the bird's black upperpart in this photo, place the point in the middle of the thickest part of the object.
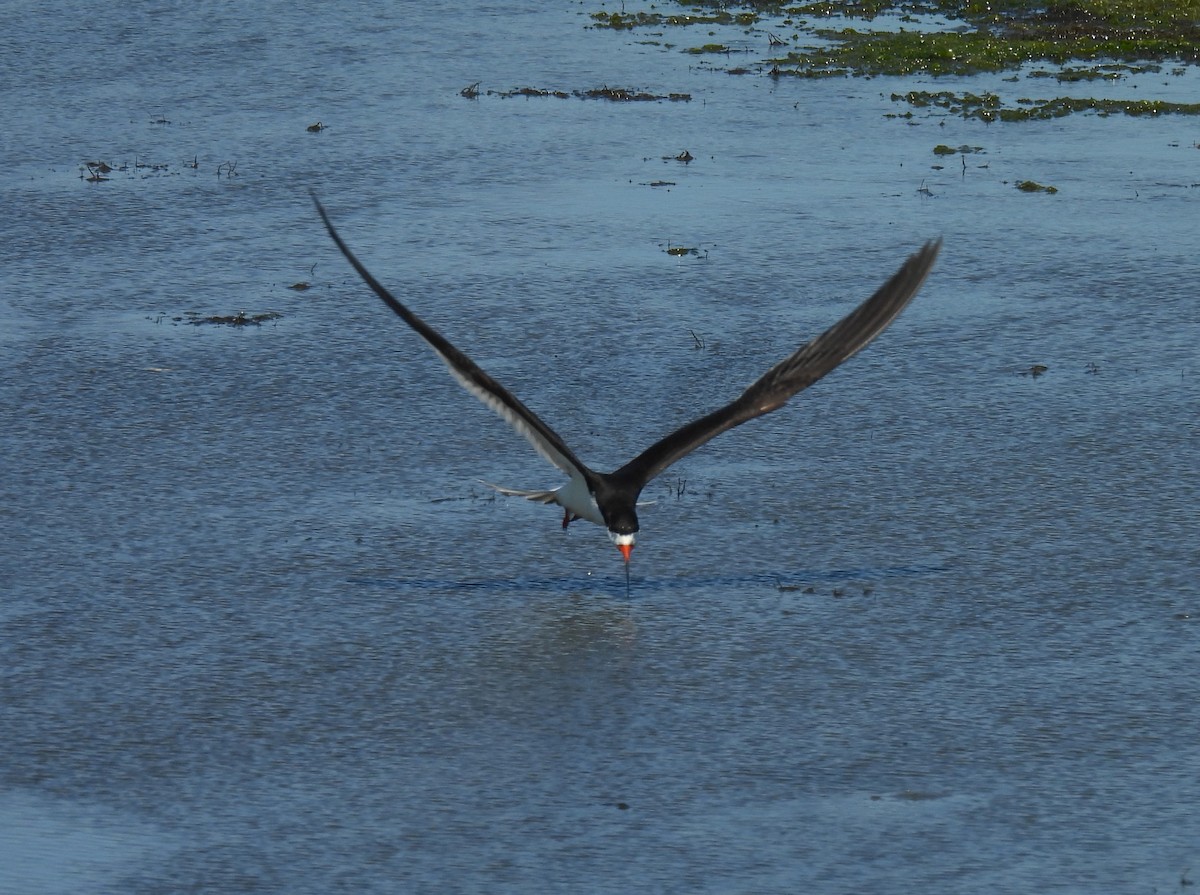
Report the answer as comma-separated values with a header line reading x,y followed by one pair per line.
x,y
611,498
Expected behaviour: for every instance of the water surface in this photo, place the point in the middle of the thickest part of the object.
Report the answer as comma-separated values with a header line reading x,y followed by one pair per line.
x,y
929,628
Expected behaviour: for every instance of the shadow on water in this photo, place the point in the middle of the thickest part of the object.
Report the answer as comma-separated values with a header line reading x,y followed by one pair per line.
x,y
615,584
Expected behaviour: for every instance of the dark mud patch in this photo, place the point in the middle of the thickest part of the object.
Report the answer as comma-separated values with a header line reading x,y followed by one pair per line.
x,y
241,318
614,94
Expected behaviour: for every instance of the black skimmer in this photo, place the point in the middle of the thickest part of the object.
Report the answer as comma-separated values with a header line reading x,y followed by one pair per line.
x,y
610,499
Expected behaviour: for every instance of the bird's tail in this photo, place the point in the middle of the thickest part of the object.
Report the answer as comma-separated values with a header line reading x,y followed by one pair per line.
x,y
535,496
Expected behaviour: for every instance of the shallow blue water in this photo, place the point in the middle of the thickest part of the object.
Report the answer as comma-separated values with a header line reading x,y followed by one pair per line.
x,y
929,628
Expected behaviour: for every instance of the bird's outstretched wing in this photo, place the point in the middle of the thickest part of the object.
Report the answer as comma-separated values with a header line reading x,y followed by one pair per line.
x,y
795,373
491,393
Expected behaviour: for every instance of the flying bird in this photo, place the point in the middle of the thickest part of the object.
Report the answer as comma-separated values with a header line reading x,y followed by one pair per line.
x,y
610,499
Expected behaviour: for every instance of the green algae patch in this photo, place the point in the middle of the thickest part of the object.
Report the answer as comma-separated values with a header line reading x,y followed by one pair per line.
x,y
1110,72
915,52
1064,105
629,20
969,105
848,9
988,107
876,53
1068,41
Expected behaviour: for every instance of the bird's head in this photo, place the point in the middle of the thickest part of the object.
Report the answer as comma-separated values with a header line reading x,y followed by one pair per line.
x,y
624,542
620,515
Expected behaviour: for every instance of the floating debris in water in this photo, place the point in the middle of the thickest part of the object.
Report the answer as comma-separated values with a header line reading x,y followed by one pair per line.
x,y
680,251
943,149
95,172
1031,186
